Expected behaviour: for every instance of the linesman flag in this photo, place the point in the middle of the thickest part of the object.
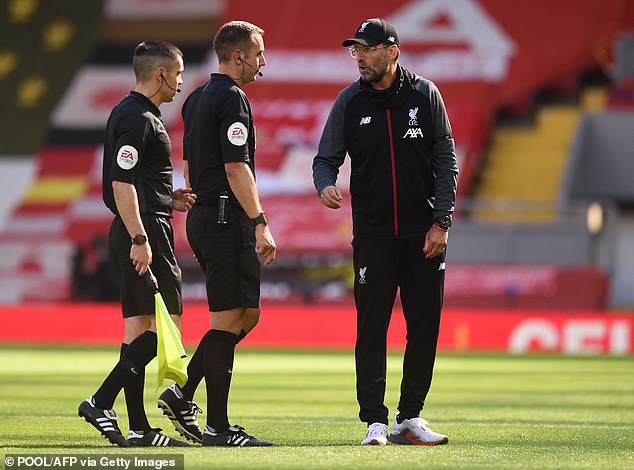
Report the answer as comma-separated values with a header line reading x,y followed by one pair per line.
x,y
170,352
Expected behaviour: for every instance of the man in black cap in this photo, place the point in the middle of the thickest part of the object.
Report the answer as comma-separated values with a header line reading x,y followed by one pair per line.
x,y
395,128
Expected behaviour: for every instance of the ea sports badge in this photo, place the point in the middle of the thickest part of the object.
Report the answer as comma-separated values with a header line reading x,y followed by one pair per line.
x,y
127,157
237,134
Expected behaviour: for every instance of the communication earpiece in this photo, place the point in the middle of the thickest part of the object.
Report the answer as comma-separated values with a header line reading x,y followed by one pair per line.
x,y
256,69
177,90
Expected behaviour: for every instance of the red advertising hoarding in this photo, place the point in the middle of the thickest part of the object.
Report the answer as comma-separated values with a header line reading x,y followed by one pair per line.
x,y
301,326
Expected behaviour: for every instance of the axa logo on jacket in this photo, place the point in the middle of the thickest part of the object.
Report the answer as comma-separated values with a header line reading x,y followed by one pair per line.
x,y
413,133
414,130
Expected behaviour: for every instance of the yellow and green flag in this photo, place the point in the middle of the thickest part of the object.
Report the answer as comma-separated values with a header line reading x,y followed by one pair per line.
x,y
170,352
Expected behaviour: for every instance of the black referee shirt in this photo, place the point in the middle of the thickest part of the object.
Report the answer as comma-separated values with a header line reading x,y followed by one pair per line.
x,y
137,150
218,129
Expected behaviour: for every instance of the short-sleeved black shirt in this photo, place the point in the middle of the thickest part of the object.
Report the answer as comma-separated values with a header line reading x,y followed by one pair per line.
x,y
219,129
137,150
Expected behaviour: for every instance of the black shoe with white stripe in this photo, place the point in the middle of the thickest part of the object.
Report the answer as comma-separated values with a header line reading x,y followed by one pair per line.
x,y
232,437
181,412
153,438
105,421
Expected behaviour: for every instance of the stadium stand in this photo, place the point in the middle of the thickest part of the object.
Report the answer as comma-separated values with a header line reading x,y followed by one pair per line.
x,y
525,165
42,45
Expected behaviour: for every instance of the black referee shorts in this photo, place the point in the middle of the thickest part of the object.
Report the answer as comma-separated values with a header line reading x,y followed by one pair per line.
x,y
136,296
226,254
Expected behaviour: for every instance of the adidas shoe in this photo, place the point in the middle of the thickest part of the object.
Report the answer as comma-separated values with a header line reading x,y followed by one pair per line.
x,y
232,437
181,412
414,431
105,421
153,438
376,435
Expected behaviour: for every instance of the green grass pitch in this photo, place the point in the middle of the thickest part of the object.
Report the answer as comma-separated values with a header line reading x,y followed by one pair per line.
x,y
500,411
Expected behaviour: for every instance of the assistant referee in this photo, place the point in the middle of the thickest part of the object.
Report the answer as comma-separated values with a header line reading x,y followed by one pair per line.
x,y
137,188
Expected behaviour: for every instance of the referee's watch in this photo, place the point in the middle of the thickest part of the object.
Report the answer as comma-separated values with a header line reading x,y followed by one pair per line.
x,y
139,239
260,219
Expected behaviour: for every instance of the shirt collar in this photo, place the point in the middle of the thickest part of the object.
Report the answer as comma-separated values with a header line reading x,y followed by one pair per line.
x,y
147,101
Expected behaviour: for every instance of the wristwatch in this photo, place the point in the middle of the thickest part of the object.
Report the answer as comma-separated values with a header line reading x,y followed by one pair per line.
x,y
443,222
260,219
139,239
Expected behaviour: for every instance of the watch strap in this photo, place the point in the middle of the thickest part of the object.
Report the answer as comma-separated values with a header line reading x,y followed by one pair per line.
x,y
260,219
443,222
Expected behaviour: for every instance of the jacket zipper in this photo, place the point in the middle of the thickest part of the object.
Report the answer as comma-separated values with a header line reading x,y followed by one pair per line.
x,y
393,161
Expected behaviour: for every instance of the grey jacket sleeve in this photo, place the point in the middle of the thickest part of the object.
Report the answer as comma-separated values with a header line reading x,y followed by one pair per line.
x,y
332,147
444,161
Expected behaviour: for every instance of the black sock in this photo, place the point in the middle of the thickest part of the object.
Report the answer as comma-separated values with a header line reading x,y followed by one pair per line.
x,y
132,363
195,372
401,417
241,336
218,366
133,392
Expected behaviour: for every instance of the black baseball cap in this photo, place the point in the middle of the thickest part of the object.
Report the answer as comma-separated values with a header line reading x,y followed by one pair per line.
x,y
374,31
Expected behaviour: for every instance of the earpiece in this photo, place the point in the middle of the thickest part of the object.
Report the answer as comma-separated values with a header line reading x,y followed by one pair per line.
x,y
177,90
254,68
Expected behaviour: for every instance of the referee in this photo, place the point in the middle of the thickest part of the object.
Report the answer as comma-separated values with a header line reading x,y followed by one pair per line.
x,y
227,230
137,188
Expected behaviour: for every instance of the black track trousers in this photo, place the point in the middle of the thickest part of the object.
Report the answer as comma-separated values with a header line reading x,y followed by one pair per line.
x,y
381,267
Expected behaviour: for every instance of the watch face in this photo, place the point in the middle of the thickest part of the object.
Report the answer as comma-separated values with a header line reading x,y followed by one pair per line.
x,y
139,239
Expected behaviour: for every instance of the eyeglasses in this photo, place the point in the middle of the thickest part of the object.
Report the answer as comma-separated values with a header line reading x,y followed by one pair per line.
x,y
363,51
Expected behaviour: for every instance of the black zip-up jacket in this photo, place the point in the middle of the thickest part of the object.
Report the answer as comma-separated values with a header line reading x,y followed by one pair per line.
x,y
404,170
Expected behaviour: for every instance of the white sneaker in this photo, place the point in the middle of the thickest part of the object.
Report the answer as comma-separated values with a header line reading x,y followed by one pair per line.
x,y
376,435
414,431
